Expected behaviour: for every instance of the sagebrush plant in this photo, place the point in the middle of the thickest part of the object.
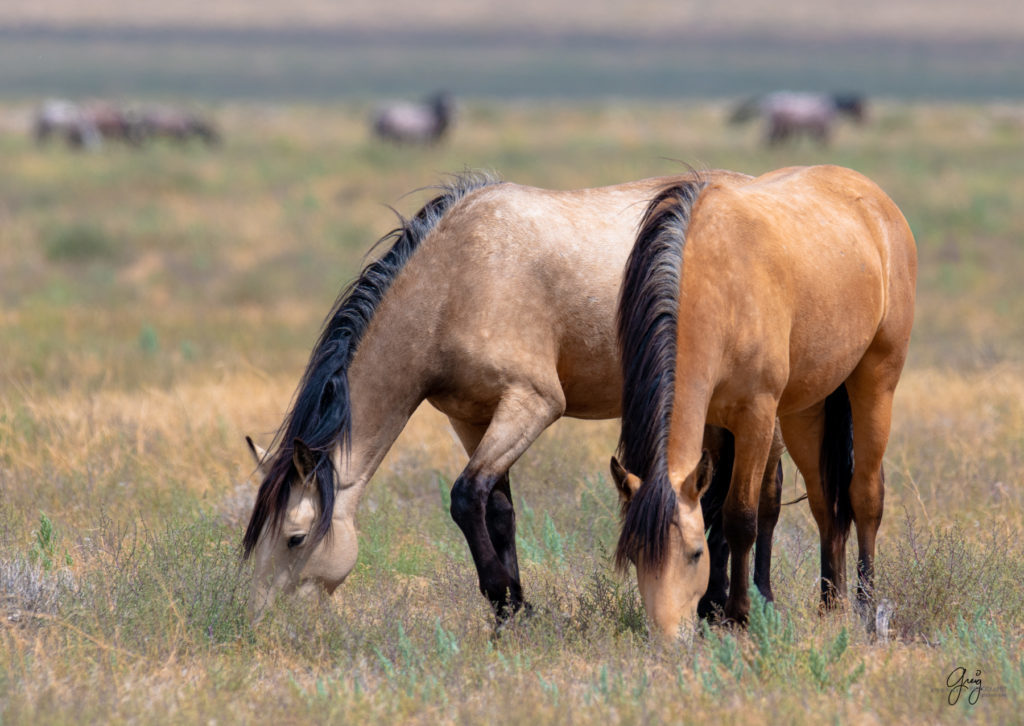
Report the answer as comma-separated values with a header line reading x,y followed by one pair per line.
x,y
125,482
932,577
44,549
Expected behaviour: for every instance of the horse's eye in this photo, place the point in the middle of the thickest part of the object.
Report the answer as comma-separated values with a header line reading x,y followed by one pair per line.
x,y
295,540
695,557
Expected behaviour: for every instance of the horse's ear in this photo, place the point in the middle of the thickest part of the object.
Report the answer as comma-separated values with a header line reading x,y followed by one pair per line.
x,y
626,483
260,455
695,486
303,458
705,473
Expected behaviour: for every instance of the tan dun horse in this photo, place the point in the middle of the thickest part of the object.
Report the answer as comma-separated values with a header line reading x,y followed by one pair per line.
x,y
791,294
495,303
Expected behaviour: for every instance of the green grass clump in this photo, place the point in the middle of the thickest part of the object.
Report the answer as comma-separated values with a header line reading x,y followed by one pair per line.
x,y
79,243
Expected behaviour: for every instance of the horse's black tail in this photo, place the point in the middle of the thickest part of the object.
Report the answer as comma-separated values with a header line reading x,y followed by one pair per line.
x,y
836,462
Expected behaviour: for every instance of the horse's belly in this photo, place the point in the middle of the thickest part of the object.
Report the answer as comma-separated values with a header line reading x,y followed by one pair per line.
x,y
593,399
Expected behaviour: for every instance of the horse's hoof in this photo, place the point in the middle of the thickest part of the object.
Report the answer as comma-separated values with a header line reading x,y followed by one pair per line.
x,y
511,613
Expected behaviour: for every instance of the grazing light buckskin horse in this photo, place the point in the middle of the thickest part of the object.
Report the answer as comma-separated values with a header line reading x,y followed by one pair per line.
x,y
495,303
788,295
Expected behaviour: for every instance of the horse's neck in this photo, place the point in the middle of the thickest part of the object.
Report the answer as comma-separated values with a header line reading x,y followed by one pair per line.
x,y
386,384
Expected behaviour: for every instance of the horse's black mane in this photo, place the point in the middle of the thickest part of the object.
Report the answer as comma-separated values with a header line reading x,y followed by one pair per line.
x,y
321,416
647,317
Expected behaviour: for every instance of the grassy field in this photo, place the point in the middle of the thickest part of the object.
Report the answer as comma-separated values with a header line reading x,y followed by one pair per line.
x,y
158,305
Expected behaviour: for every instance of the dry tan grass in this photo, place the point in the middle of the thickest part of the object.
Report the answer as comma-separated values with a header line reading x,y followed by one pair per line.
x,y
128,384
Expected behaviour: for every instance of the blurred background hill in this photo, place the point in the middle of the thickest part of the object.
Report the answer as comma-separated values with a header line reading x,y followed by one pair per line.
x,y
324,50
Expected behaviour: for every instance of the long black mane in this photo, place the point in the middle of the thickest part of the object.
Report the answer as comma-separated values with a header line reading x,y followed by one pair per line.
x,y
647,318
321,415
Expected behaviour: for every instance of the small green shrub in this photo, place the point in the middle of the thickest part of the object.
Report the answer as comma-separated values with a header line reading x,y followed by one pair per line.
x,y
44,548
79,242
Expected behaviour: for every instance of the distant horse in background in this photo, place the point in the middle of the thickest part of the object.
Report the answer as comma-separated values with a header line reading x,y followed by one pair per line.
x,y
787,298
177,124
787,114
57,117
87,125
424,123
495,303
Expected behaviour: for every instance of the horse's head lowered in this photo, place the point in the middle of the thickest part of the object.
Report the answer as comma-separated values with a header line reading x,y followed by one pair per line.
x,y
673,577
662,523
292,554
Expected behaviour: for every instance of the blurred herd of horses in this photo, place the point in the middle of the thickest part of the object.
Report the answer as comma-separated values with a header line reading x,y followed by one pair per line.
x,y
89,126
786,116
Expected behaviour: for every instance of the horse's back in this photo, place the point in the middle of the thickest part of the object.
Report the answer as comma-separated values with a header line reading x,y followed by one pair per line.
x,y
530,283
815,207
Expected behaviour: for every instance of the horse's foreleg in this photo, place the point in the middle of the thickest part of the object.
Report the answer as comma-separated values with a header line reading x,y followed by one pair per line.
x,y
501,525
753,432
481,497
720,443
501,516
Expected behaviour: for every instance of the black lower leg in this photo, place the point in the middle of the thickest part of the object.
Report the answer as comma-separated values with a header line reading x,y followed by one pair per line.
x,y
833,576
501,527
470,496
712,604
767,517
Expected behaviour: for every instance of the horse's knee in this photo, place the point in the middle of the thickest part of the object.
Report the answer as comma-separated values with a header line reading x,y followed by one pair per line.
x,y
739,524
467,500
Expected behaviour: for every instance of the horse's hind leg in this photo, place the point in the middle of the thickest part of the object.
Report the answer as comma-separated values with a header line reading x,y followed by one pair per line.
x,y
871,388
768,510
487,523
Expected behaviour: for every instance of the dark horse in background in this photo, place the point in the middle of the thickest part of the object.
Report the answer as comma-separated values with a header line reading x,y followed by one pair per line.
x,y
415,123
177,124
495,303
787,115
